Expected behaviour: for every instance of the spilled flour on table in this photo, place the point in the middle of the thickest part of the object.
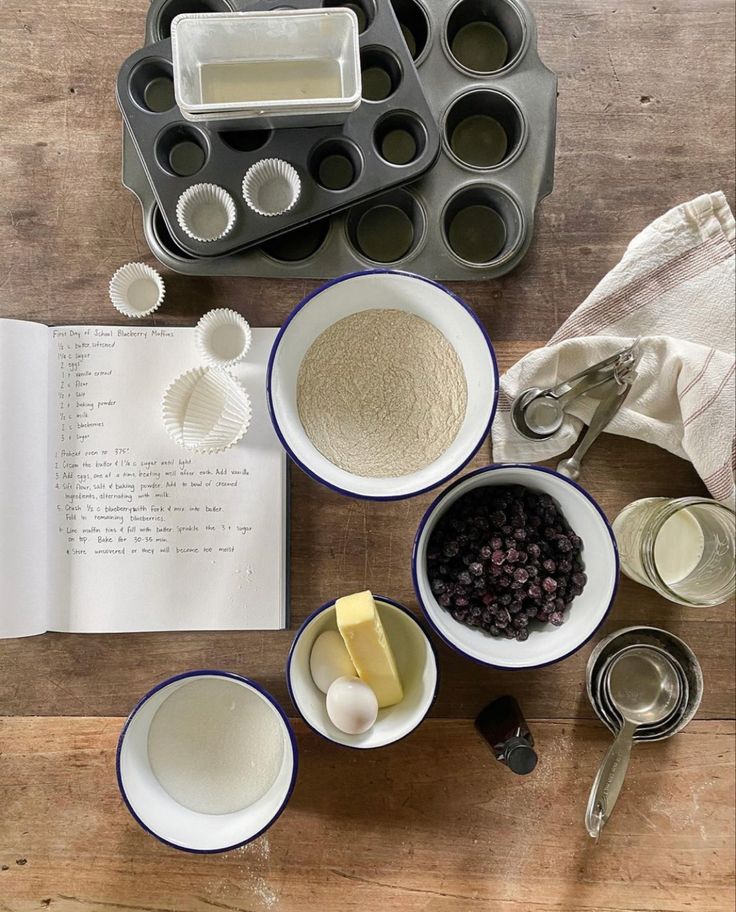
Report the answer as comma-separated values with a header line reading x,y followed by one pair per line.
x,y
246,880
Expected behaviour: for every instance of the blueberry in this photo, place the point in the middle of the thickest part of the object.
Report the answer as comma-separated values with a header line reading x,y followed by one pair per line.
x,y
549,585
498,557
549,565
521,575
522,634
557,618
476,569
512,555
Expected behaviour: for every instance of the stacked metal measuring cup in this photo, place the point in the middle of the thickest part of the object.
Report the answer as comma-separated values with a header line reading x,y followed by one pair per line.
x,y
645,684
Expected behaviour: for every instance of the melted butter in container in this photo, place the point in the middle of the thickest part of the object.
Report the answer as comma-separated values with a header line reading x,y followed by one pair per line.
x,y
242,66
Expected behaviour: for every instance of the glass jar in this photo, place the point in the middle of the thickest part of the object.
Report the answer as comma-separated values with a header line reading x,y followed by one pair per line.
x,y
681,547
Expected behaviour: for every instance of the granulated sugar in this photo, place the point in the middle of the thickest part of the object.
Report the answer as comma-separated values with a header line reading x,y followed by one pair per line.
x,y
215,746
381,393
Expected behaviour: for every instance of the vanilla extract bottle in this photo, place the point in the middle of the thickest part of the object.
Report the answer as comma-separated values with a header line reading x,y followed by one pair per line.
x,y
504,727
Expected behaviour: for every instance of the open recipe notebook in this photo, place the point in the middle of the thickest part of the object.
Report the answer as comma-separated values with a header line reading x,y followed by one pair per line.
x,y
106,524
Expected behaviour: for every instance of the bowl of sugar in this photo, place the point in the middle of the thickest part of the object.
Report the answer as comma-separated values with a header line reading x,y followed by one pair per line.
x,y
382,384
206,761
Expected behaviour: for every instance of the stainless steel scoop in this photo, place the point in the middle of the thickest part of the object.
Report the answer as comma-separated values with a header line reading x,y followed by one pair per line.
x,y
538,413
644,688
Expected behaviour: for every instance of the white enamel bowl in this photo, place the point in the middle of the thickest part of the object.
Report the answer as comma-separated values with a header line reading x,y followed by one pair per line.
x,y
415,660
172,823
546,643
382,289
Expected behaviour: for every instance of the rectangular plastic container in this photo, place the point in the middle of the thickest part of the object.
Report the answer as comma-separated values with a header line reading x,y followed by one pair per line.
x,y
286,67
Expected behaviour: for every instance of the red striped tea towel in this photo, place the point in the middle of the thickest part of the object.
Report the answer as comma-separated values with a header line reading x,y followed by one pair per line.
x,y
675,288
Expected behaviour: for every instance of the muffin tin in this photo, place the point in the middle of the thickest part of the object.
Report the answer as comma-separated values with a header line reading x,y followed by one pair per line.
x,y
465,201
390,139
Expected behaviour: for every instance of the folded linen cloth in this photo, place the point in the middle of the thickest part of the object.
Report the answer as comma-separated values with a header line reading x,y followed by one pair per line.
x,y
675,289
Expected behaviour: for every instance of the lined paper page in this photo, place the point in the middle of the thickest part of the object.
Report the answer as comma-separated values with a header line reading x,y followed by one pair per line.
x,y
23,477
144,534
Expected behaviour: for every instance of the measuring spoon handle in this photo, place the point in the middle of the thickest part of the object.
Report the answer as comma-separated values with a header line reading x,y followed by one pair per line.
x,y
608,781
605,411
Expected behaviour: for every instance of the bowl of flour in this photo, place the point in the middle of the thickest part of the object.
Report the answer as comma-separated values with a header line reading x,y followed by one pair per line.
x,y
382,384
206,761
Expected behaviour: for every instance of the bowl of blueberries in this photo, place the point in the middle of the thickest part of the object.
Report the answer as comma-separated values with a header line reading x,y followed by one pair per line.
x,y
515,566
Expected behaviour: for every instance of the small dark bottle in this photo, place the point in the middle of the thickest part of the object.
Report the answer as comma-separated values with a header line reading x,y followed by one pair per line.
x,y
504,727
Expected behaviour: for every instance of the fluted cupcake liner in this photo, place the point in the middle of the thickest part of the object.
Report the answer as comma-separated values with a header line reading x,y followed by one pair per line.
x,y
271,186
206,212
206,410
223,337
136,290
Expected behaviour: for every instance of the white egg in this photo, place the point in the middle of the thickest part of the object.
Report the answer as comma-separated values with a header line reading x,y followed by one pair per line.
x,y
329,660
351,705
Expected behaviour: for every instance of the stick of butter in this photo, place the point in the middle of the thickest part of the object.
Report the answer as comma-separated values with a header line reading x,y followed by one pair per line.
x,y
365,639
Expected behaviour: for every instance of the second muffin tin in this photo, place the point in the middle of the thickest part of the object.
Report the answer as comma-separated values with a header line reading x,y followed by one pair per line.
x,y
472,215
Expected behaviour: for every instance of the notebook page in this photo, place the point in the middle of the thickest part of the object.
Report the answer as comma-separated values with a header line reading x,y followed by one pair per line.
x,y
23,477
147,535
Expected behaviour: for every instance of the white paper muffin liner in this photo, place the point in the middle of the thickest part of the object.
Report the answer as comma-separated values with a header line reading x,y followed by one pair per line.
x,y
271,186
206,410
136,290
206,212
223,337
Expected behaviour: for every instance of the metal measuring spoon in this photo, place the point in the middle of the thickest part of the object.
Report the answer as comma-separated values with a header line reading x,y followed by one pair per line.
x,y
644,688
604,413
538,414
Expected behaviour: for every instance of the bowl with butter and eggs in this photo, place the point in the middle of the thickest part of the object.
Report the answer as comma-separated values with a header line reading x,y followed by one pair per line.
x,y
361,671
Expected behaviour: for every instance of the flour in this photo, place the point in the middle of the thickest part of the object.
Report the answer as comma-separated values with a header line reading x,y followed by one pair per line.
x,y
381,393
215,746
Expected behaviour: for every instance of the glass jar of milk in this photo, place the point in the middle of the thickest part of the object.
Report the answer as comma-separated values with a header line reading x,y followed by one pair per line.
x,y
681,547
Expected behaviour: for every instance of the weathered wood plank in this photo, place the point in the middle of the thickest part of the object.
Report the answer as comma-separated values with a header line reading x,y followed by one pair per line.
x,y
434,823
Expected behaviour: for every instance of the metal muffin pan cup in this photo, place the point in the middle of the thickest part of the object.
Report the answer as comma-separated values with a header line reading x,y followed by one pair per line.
x,y
647,636
479,199
221,154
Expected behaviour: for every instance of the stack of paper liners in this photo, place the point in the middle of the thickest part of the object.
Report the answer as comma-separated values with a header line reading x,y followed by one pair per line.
x,y
206,409
360,626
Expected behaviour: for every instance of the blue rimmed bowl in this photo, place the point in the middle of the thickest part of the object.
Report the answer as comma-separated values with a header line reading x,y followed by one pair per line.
x,y
374,290
415,659
172,823
546,644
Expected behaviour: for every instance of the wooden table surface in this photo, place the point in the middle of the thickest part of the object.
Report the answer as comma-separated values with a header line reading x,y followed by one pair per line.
x,y
646,120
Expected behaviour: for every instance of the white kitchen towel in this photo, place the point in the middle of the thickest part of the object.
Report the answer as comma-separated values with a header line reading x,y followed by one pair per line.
x,y
675,288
